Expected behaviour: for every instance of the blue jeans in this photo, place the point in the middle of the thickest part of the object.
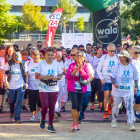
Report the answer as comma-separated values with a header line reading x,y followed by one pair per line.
x,y
84,104
16,97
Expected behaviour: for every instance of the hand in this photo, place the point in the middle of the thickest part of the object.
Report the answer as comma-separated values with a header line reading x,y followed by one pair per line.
x,y
26,85
50,77
116,86
103,81
135,90
6,85
54,78
80,67
88,82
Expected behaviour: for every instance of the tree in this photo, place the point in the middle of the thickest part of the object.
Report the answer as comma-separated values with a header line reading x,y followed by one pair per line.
x,y
130,19
80,24
89,28
8,23
32,17
70,9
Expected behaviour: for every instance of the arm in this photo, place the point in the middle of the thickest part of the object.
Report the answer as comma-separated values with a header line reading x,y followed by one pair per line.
x,y
99,68
70,73
113,80
136,86
26,80
91,78
84,73
5,77
1,77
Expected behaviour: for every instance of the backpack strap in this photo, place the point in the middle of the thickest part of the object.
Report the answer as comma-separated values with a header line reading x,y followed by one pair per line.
x,y
10,65
22,68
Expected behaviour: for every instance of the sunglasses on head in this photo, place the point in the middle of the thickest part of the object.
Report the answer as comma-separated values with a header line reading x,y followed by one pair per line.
x,y
112,50
137,52
72,54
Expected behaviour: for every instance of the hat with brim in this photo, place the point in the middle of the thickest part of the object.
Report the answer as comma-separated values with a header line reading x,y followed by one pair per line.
x,y
17,57
123,53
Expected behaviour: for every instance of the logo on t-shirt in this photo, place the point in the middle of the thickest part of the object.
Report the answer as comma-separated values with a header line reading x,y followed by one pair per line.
x,y
51,72
111,63
126,73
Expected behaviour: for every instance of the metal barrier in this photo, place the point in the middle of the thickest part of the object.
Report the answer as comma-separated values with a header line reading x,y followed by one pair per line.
x,y
41,37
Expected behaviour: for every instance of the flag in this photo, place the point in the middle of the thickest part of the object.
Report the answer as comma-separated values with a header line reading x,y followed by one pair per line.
x,y
53,24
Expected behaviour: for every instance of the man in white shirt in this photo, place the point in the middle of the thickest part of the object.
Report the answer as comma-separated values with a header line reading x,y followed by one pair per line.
x,y
104,70
88,54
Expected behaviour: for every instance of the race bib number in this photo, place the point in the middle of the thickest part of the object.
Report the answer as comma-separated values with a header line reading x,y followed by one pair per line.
x,y
77,85
124,87
15,72
109,70
32,70
41,86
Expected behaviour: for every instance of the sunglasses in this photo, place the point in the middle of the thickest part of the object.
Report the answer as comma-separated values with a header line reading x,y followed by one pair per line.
x,y
79,55
112,51
39,45
82,50
72,54
137,52
64,54
2,48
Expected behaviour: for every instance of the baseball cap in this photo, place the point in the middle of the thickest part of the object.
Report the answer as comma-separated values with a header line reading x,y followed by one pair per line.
x,y
123,53
17,56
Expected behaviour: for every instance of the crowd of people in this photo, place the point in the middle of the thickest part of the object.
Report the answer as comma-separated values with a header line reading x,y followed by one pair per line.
x,y
44,78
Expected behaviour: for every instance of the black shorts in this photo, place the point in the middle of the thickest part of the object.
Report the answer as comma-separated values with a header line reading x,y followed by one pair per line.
x,y
2,91
25,95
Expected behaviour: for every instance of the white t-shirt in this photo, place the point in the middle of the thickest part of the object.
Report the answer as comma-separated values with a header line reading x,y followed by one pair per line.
x,y
16,80
105,67
32,81
45,69
91,71
88,57
70,61
125,76
136,63
94,62
1,58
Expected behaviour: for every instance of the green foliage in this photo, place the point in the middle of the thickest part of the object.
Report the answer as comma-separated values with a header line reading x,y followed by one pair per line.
x,y
130,19
80,24
70,9
89,28
8,23
32,17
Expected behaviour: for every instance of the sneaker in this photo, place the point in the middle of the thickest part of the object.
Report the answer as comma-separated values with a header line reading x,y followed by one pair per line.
x,y
114,123
79,122
51,129
59,115
1,109
83,116
24,108
56,115
63,109
92,108
120,111
39,114
11,115
33,118
106,115
132,127
110,110
17,121
102,109
78,128
137,115
42,124
74,127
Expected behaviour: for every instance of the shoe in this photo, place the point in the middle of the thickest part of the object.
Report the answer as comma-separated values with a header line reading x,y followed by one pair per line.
x,y
59,115
63,109
39,114
42,124
106,115
11,115
74,127
114,123
24,108
102,109
17,121
124,109
92,108
33,118
51,129
83,116
78,128
137,115
1,109
110,110
120,111
56,115
132,127
79,122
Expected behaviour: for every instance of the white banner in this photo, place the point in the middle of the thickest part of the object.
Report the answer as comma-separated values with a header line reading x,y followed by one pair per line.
x,y
70,39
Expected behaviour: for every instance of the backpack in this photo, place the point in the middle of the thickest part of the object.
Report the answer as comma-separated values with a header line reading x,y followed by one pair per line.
x,y
22,69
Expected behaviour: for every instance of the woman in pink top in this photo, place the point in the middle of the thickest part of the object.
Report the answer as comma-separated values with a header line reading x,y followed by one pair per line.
x,y
76,69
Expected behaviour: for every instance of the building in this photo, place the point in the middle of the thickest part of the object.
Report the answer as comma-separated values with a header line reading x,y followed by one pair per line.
x,y
46,7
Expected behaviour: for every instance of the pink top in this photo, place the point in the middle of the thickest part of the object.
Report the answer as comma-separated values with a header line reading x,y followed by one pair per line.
x,y
71,79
